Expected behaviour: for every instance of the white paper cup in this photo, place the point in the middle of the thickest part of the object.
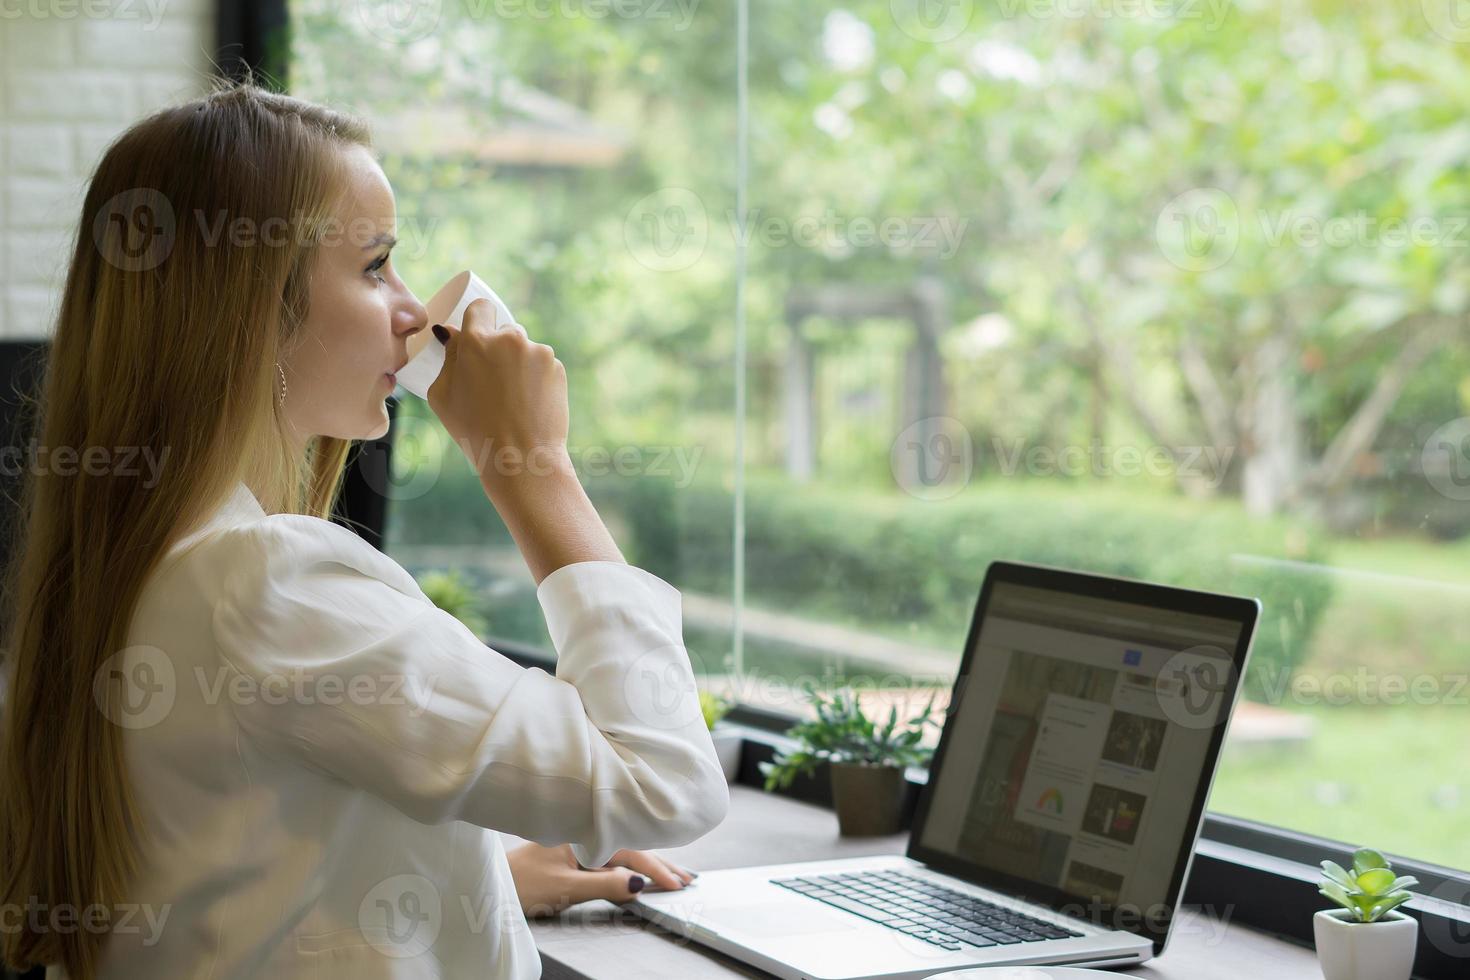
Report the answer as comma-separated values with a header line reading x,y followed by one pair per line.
x,y
447,306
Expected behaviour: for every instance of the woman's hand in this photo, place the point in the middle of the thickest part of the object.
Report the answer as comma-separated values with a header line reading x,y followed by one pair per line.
x,y
549,879
503,399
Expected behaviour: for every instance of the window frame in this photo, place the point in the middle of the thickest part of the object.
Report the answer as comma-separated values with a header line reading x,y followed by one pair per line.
x,y
253,35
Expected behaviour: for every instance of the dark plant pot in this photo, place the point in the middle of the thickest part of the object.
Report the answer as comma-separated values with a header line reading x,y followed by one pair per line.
x,y
868,798
728,743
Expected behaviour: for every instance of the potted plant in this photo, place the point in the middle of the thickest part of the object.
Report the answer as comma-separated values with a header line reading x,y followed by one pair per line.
x,y
451,593
1365,939
867,761
728,741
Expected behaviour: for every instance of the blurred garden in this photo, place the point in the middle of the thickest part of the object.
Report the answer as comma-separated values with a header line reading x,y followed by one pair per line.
x,y
1171,291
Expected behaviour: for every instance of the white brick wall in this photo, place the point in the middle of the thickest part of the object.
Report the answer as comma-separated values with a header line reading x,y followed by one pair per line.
x,y
73,74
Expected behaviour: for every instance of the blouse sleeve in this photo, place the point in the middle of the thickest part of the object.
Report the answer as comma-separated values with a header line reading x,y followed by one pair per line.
x,y
363,678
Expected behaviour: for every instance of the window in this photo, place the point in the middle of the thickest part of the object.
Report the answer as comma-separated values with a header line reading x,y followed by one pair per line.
x,y
1174,291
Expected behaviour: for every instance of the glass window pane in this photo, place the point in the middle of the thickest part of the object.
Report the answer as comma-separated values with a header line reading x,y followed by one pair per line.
x,y
1171,294
1168,291
577,164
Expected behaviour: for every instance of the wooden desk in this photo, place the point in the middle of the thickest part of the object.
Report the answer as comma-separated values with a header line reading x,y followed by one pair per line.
x,y
601,941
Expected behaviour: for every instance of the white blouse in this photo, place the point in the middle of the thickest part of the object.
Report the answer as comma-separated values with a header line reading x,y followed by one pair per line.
x,y
317,751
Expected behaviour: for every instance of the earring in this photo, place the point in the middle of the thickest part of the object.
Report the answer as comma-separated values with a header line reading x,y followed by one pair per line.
x,y
282,400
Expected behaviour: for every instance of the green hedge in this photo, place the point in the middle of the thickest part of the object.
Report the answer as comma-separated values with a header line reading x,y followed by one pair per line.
x,y
888,559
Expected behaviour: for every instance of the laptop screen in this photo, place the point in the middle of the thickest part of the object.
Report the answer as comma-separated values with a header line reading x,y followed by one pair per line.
x,y
1080,747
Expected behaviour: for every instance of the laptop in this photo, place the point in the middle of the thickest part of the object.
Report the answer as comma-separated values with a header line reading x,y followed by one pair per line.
x,y
1063,804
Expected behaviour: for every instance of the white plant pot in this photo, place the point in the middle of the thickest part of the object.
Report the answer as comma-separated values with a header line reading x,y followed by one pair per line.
x,y
1382,950
727,750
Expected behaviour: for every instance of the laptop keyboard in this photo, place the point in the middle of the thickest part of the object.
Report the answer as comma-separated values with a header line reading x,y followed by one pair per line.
x,y
917,907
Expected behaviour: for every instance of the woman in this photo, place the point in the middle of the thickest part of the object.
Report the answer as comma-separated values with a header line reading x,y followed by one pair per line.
x,y
239,741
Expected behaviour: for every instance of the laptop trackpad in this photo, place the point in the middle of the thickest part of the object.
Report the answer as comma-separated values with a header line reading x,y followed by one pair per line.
x,y
771,921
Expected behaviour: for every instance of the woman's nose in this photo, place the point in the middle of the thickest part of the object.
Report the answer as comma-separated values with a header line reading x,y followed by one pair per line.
x,y
413,317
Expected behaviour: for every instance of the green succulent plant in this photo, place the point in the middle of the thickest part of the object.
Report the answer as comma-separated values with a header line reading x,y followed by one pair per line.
x,y
451,593
841,732
1370,890
713,707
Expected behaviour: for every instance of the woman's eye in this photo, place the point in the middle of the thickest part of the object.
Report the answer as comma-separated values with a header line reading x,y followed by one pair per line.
x,y
373,269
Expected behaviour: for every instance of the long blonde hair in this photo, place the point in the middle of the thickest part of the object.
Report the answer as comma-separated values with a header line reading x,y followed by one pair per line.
x,y
167,341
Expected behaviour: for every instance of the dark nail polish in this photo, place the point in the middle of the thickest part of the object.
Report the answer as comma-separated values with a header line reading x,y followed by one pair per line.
x,y
636,883
441,333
